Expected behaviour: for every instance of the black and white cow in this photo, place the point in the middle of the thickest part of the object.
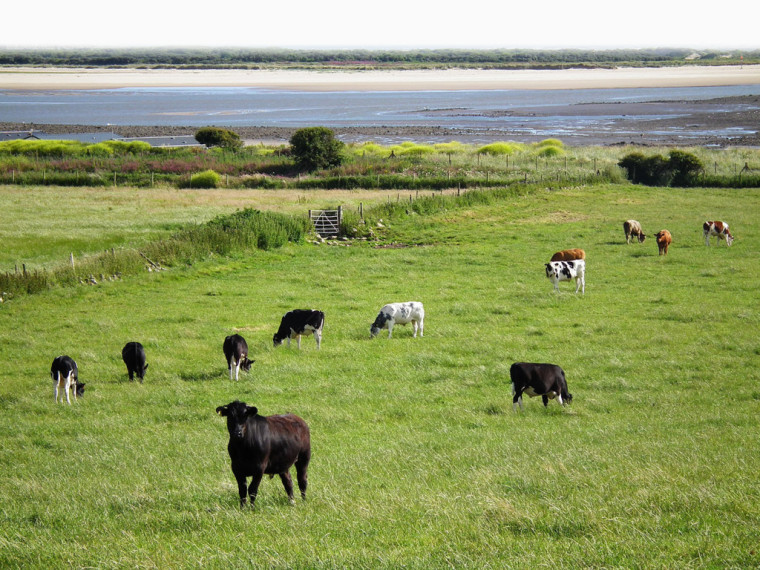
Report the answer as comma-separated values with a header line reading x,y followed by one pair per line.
x,y
399,314
133,355
65,374
266,445
236,352
558,271
545,380
300,322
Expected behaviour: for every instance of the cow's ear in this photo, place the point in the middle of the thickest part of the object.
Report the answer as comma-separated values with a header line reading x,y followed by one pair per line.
x,y
222,410
251,411
146,366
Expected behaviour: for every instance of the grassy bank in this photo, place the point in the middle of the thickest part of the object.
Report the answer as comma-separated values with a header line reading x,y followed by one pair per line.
x,y
418,459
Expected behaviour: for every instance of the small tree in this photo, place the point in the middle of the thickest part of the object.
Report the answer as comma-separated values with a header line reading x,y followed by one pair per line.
x,y
316,147
214,136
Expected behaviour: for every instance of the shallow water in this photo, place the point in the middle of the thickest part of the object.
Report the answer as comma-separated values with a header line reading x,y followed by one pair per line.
x,y
568,112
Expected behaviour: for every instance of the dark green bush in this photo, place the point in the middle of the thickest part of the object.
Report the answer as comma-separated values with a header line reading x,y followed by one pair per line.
x,y
214,136
679,169
316,147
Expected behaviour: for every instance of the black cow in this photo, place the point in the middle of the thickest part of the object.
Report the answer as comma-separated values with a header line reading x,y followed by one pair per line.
x,y
545,380
266,445
300,322
236,352
133,355
65,374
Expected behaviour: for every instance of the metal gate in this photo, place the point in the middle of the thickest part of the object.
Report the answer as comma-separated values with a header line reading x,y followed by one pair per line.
x,y
326,222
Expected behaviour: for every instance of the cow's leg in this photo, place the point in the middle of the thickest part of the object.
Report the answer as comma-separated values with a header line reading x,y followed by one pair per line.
x,y
302,465
516,399
390,328
242,489
318,338
545,399
414,329
131,374
237,369
560,400
298,341
287,482
253,488
288,342
707,239
66,386
56,383
230,364
421,322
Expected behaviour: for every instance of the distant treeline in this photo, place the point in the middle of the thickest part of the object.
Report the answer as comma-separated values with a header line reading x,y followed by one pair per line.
x,y
253,58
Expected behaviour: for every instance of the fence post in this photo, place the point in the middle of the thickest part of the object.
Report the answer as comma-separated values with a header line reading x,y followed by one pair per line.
x,y
361,211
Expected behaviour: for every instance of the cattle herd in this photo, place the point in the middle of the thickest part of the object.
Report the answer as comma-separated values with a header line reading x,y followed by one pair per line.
x,y
271,445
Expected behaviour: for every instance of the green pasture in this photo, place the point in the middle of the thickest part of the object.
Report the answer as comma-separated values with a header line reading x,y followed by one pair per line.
x,y
418,458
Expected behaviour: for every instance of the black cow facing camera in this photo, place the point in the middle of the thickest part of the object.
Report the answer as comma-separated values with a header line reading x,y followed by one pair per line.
x,y
133,355
266,445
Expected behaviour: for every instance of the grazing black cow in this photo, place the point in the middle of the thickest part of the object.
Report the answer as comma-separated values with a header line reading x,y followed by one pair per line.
x,y
266,445
133,355
300,322
65,374
545,380
236,352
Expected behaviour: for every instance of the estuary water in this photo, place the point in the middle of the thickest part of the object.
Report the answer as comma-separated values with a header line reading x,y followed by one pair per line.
x,y
234,106
575,115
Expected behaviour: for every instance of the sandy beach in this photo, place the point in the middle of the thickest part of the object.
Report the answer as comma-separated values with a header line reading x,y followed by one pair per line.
x,y
377,80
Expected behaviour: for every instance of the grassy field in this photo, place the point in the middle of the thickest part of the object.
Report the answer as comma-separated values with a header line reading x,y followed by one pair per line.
x,y
418,459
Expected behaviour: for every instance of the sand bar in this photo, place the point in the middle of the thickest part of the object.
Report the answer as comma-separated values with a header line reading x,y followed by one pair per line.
x,y
20,78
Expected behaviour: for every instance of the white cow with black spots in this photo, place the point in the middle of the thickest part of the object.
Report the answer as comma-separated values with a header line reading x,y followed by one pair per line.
x,y
399,314
558,271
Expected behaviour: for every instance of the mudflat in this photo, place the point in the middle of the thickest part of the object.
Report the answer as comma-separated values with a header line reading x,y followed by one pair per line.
x,y
728,121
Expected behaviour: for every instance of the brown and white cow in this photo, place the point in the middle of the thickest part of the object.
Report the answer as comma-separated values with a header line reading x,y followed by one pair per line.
x,y
568,255
664,239
718,229
632,228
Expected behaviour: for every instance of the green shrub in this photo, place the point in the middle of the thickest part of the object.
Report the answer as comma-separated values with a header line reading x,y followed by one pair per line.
x,y
679,169
205,179
499,149
316,147
214,136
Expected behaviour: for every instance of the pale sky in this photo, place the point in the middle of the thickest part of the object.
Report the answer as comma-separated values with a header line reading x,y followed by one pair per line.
x,y
378,24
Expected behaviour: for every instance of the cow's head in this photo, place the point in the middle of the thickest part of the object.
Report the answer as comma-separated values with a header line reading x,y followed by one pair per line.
x,y
237,413
277,339
79,389
549,270
642,237
141,371
245,364
379,323
729,238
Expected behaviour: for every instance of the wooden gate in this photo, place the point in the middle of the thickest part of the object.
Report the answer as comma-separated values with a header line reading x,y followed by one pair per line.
x,y
326,222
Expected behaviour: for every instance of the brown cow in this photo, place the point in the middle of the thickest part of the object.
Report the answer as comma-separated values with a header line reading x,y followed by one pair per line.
x,y
568,255
632,228
664,239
